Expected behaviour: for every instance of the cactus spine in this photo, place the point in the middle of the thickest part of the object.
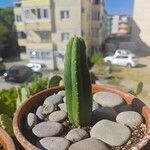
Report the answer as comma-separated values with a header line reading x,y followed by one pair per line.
x,y
77,83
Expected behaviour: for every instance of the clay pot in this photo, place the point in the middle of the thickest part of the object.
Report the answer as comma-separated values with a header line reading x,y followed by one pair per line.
x,y
33,102
6,141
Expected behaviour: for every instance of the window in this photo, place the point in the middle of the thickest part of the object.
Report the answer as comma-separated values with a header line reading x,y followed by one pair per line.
x,y
46,55
96,2
34,55
95,33
18,18
45,13
23,48
33,11
44,35
39,13
122,57
96,15
27,14
65,36
64,14
21,35
83,10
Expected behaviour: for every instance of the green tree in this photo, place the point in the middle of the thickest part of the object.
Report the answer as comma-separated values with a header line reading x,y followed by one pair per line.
x,y
8,39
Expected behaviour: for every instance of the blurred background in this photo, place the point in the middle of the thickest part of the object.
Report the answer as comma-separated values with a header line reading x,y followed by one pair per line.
x,y
34,34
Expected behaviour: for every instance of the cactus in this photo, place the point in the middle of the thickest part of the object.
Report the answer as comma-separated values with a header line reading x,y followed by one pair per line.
x,y
54,81
77,83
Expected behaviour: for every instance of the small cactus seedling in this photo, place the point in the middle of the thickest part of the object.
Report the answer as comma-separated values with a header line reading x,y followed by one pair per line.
x,y
77,83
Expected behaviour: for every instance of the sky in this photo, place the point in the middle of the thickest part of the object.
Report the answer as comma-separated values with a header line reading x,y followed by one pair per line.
x,y
5,3
119,6
112,6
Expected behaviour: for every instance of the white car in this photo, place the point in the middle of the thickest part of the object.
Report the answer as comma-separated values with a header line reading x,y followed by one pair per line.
x,y
122,60
37,67
122,52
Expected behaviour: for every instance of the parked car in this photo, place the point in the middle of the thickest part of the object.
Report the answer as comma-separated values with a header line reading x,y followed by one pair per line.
x,y
119,52
2,68
122,60
18,74
37,67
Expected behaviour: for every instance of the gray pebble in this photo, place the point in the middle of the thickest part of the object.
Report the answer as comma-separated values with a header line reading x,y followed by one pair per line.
x,y
112,133
107,99
76,135
31,120
55,143
48,108
46,129
57,116
63,107
39,112
62,93
89,144
54,99
129,118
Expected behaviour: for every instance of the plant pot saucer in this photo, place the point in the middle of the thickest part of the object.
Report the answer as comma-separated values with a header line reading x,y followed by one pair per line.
x,y
37,99
6,141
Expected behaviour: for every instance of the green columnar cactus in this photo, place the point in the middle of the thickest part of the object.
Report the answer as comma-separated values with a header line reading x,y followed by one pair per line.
x,y
77,83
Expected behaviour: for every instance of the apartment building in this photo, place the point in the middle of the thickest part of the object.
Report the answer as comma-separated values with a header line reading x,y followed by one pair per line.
x,y
141,25
118,25
45,26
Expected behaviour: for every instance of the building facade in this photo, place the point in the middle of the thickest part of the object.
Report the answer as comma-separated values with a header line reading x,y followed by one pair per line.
x,y
118,25
45,26
141,25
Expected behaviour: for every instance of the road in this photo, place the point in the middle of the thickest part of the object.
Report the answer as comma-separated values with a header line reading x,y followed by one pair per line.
x,y
6,85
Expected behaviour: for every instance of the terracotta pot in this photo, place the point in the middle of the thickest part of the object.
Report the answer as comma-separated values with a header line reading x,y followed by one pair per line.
x,y
33,102
6,141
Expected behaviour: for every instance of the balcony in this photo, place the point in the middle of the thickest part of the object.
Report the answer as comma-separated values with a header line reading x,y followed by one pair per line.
x,y
43,37
38,26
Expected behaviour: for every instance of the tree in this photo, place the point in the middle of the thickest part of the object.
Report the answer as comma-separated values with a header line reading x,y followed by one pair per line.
x,y
8,39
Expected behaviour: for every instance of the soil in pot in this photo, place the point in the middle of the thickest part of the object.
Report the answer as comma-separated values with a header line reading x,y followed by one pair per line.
x,y
114,125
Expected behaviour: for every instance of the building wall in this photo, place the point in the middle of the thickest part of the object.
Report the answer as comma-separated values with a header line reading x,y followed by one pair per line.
x,y
79,22
72,25
141,24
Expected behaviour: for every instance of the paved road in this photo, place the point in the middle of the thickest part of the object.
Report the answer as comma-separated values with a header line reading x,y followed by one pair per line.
x,y
6,85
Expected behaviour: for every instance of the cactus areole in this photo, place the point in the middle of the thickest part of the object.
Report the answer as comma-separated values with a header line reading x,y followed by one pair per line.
x,y
77,83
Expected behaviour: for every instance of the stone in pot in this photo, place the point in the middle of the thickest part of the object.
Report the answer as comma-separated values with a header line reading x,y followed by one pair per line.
x,y
76,135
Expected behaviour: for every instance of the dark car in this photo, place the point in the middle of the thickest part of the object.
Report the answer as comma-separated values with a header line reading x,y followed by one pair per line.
x,y
18,74
2,68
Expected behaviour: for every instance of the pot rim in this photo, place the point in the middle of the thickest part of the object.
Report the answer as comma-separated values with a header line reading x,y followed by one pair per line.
x,y
129,98
6,140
